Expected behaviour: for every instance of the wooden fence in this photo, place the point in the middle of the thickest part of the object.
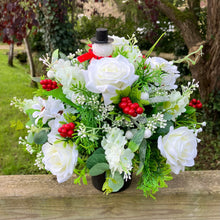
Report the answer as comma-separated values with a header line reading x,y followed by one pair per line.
x,y
193,195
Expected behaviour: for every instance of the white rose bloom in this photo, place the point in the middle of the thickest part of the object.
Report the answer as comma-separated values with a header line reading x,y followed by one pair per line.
x,y
60,160
179,147
108,75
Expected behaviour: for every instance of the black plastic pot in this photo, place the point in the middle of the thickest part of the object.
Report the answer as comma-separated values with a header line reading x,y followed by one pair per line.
x,y
99,180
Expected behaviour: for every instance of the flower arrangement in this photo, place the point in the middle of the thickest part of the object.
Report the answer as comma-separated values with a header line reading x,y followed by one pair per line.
x,y
120,115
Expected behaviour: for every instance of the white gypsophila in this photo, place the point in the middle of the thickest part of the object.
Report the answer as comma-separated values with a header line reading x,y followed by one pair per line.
x,y
47,109
119,158
176,104
171,72
60,159
38,161
67,74
54,125
108,75
179,147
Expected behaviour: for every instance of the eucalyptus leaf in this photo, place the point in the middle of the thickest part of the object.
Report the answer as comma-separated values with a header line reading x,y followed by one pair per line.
x,y
40,137
95,159
116,182
136,140
30,138
190,110
98,169
142,154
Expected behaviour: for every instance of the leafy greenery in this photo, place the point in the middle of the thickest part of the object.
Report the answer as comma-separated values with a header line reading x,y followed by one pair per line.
x,y
14,81
154,173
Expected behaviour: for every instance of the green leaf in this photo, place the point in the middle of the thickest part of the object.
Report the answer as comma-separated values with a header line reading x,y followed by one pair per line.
x,y
152,48
99,151
136,140
189,110
55,55
58,93
98,169
30,138
40,137
142,153
116,182
95,159
120,94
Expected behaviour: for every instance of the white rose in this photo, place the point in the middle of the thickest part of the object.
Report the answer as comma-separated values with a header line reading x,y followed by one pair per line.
x,y
179,147
60,160
108,75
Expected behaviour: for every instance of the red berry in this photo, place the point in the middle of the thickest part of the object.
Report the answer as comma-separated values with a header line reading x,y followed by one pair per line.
x,y
198,101
131,111
54,83
122,105
194,101
72,125
134,105
63,135
124,99
70,133
44,86
139,110
199,105
67,126
194,106
134,115
64,130
191,104
126,110
60,129
42,82
53,86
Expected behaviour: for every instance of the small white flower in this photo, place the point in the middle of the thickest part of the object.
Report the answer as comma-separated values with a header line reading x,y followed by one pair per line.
x,y
129,135
147,133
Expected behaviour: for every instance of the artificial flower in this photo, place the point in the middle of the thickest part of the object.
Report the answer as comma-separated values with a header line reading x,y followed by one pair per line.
x,y
179,147
108,75
60,160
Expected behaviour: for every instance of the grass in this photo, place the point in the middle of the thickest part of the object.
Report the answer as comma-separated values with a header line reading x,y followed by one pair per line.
x,y
14,81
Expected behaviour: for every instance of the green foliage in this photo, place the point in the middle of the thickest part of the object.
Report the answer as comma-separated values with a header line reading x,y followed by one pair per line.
x,y
57,31
115,182
97,157
98,169
154,173
86,27
14,82
135,142
40,137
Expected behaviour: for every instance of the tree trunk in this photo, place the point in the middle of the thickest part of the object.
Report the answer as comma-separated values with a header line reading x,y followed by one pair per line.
x,y
31,62
207,68
11,54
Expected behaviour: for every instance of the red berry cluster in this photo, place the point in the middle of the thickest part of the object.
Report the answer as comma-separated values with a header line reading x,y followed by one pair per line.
x,y
48,84
130,108
67,130
195,103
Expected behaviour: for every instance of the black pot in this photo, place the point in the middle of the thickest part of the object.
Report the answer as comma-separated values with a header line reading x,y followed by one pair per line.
x,y
99,180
